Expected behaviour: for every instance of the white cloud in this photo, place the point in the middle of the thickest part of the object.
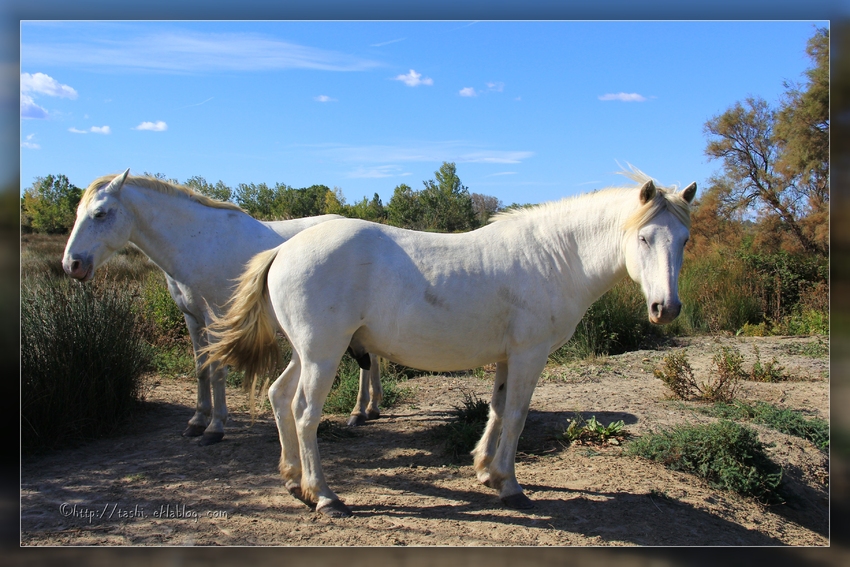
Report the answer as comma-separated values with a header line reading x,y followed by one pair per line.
x,y
496,86
76,131
29,109
45,84
29,144
501,173
379,172
623,97
468,91
101,129
158,126
414,79
437,152
325,98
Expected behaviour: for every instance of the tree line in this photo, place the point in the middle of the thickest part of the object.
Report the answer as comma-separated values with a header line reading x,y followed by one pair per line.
x,y
444,204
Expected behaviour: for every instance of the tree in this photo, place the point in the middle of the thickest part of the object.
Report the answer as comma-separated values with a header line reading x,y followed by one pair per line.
x,y
256,200
446,203
776,162
219,191
50,205
484,206
404,209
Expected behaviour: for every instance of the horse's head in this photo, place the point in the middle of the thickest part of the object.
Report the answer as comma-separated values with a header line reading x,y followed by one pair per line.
x,y
656,235
103,226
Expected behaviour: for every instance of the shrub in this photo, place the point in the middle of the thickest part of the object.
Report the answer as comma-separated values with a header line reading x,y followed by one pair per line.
x,y
677,374
460,435
786,421
167,324
727,455
82,359
766,372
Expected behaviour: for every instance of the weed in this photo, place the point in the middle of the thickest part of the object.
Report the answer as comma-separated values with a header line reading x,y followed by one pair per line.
x,y
591,432
460,435
816,349
728,361
766,372
727,455
677,374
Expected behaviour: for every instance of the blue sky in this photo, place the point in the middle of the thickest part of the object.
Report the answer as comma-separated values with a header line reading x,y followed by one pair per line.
x,y
529,111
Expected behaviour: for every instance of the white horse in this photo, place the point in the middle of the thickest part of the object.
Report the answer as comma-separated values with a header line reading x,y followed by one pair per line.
x,y
511,293
202,245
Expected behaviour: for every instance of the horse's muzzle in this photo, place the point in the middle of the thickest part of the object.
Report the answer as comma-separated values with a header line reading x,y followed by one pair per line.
x,y
663,313
79,267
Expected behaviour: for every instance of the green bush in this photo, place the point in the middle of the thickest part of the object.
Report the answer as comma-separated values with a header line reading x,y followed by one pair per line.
x,y
167,324
82,360
460,435
727,455
786,421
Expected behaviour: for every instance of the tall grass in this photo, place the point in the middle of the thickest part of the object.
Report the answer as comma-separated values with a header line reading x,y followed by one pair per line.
x,y
82,359
616,323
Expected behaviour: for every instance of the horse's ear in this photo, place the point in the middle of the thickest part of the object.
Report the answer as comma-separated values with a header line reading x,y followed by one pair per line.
x,y
116,184
689,192
647,192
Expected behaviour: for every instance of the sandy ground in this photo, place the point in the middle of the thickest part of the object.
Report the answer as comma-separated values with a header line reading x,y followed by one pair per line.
x,y
152,487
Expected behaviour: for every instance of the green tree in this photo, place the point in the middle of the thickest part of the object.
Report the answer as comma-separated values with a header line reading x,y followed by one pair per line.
x,y
368,210
219,191
446,202
776,162
404,209
334,202
256,200
50,204
485,206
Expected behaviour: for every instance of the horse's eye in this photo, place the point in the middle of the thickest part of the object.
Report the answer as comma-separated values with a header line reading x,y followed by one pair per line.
x,y
642,239
99,214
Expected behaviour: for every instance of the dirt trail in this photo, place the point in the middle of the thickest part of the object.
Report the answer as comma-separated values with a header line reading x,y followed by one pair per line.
x,y
154,487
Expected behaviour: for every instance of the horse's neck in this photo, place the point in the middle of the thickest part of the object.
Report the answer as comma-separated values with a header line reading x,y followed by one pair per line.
x,y
587,239
175,232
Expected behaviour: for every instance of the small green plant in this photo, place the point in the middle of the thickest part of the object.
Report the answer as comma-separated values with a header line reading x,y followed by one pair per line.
x,y
727,455
766,372
343,395
591,432
676,372
728,361
460,435
165,318
815,349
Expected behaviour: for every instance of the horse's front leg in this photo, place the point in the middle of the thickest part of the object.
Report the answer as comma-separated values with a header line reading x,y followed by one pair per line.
x,y
203,407
523,371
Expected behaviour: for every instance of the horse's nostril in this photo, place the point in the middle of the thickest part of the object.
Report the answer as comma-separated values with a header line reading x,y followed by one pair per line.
x,y
656,309
75,265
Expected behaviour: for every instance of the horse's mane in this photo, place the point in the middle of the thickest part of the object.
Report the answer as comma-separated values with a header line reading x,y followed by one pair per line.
x,y
666,199
159,186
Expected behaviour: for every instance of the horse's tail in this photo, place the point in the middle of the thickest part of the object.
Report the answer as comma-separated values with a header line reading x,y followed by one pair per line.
x,y
245,336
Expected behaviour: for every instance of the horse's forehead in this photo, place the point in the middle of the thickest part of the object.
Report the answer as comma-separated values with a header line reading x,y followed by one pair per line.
x,y
667,222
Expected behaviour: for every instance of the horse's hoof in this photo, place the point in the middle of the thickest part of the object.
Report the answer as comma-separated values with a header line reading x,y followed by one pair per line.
x,y
356,419
194,431
335,509
210,439
518,501
295,491
373,414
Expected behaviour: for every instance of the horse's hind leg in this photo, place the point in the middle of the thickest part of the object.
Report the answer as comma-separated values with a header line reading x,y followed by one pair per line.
x,y
313,388
485,450
281,393
369,396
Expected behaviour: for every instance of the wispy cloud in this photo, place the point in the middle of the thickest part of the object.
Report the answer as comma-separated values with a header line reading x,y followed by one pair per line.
x,y
499,174
325,98
438,152
93,130
414,79
158,126
623,97
29,109
184,51
30,144
468,91
388,42
379,172
496,86
191,105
